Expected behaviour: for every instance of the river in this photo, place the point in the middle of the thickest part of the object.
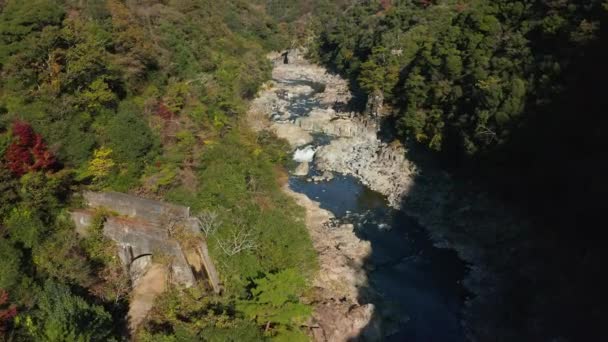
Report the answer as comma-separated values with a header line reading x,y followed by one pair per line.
x,y
415,287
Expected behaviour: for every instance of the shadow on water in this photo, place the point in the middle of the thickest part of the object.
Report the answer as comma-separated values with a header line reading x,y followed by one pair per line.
x,y
414,286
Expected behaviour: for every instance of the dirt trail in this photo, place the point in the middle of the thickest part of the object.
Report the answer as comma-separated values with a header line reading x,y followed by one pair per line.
x,y
147,288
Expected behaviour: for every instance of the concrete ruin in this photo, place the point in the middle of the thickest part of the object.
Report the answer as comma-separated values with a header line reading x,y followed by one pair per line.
x,y
142,228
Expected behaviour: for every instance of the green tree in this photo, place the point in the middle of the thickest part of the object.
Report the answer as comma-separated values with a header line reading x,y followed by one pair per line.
x,y
25,227
102,164
9,187
20,19
10,273
130,138
42,191
275,301
60,256
98,95
60,315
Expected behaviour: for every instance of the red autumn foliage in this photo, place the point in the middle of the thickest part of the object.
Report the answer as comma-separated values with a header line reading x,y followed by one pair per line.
x,y
164,112
27,152
6,314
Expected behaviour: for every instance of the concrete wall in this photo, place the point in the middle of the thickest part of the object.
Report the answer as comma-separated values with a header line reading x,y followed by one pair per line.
x,y
141,233
133,206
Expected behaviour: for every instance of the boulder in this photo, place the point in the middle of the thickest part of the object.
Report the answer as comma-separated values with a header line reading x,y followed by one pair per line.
x,y
302,169
296,136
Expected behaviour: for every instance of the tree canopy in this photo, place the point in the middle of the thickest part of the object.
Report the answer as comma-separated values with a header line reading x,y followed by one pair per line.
x,y
144,97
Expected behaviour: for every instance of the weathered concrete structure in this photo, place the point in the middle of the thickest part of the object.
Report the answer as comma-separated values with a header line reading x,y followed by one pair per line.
x,y
142,230
131,206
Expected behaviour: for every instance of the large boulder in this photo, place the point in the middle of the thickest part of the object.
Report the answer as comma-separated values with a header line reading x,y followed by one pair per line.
x,y
302,169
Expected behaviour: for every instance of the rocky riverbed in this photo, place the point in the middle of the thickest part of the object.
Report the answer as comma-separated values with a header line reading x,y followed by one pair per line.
x,y
355,148
338,315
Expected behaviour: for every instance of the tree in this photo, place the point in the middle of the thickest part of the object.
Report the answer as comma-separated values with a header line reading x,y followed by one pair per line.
x,y
237,239
9,187
371,77
27,152
60,315
25,227
19,19
43,191
5,141
208,222
102,163
7,312
98,95
274,301
88,64
10,273
129,39
130,137
61,257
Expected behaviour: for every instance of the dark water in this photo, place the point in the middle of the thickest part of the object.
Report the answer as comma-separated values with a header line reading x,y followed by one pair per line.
x,y
415,286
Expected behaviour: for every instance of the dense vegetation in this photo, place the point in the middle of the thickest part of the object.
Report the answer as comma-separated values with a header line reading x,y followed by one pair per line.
x,y
508,95
462,75
145,97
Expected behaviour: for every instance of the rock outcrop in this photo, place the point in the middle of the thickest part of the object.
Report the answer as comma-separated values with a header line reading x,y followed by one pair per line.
x,y
382,167
302,169
327,121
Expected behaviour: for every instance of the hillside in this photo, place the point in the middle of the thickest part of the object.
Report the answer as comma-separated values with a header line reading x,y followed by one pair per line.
x,y
144,97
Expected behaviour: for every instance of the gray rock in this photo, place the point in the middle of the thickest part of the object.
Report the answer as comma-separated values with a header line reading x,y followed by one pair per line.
x,y
302,169
381,167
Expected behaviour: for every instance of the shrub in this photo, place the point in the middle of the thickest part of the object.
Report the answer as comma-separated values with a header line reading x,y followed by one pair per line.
x,y
27,152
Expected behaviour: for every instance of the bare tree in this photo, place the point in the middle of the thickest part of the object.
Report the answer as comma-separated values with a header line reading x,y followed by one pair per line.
x,y
240,239
487,133
208,221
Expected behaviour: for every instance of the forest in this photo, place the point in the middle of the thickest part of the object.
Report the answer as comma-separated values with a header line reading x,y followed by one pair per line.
x,y
499,90
148,97
145,97
508,96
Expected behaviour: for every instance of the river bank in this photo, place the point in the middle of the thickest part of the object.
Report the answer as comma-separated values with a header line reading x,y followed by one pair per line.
x,y
338,315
